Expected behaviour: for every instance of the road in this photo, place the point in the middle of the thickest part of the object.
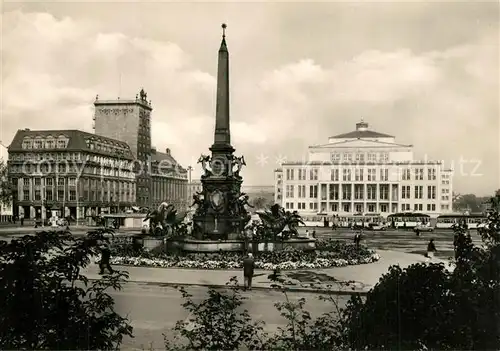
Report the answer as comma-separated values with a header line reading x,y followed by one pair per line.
x,y
154,310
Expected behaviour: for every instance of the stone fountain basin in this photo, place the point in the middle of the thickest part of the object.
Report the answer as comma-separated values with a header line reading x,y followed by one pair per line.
x,y
193,245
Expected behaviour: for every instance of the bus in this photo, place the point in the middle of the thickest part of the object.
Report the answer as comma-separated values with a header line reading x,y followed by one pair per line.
x,y
407,220
474,221
359,220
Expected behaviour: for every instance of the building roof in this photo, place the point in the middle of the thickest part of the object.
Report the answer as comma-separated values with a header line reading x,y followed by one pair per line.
x,y
165,157
78,140
362,132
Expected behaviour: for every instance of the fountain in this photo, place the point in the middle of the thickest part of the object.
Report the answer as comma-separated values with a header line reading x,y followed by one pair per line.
x,y
221,221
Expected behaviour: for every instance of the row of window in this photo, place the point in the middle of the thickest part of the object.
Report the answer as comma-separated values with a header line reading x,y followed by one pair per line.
x,y
360,208
71,195
359,174
334,191
48,142
359,157
64,169
86,182
418,192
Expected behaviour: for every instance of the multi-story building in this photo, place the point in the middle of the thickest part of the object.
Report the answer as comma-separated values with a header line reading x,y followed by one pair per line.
x,y
169,180
129,121
364,171
70,172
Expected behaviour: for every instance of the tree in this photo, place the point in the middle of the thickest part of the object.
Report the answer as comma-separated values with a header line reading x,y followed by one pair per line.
x,y
261,202
6,188
48,304
426,306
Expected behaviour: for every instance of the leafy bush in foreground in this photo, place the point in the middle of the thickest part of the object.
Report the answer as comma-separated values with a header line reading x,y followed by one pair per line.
x,y
48,304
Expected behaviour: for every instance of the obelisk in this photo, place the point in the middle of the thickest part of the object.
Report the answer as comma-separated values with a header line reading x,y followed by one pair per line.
x,y
221,216
222,136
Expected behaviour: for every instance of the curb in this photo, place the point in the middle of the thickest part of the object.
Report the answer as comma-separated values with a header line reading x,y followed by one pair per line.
x,y
263,288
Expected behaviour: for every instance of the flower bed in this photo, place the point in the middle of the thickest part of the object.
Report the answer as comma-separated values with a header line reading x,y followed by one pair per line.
x,y
331,254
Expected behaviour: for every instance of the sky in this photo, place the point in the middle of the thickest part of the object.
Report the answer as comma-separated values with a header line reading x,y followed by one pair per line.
x,y
425,72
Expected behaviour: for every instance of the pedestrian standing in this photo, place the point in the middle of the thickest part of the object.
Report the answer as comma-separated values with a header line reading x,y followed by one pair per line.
x,y
248,270
105,257
431,249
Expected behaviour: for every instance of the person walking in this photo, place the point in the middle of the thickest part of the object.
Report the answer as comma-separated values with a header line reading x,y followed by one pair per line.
x,y
248,270
105,257
431,249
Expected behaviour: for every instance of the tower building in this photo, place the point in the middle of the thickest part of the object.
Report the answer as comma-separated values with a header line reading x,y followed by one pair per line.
x,y
129,121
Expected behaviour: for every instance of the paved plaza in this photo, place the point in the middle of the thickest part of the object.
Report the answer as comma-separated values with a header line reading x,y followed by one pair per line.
x,y
155,309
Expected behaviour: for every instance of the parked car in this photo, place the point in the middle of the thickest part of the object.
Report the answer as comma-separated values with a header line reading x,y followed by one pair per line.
x,y
423,228
377,226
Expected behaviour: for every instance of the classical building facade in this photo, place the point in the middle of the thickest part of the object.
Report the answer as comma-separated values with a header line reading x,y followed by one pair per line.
x,y
364,171
70,172
129,121
169,180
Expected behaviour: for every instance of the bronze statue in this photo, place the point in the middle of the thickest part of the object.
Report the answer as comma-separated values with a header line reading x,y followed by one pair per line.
x,y
239,162
275,220
204,160
143,95
242,201
198,200
165,220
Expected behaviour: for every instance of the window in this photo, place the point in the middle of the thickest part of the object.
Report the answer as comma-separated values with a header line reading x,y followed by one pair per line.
x,y
419,174
431,174
27,144
289,191
38,144
383,208
419,190
26,182
384,157
358,191
334,192
359,174
302,191
347,157
384,174
334,207
371,174
359,208
346,175
335,157
360,157
445,191
60,181
384,192
313,205
302,174
48,195
26,195
301,205
371,208
372,157
323,192
431,192
406,174
38,195
405,192
346,192
444,198
371,190
61,143
346,207
38,181
313,191
445,207
334,175
72,181
289,174
60,195
49,181
313,174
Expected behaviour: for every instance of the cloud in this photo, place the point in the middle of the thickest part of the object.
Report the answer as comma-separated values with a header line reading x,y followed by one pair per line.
x,y
444,100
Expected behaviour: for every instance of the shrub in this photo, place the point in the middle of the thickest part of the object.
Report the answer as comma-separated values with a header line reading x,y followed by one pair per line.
x,y
215,323
48,304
